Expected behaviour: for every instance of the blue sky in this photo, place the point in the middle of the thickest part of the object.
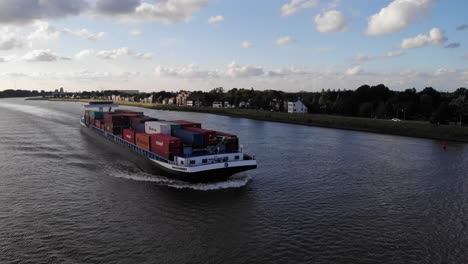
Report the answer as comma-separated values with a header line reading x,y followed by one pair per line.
x,y
289,45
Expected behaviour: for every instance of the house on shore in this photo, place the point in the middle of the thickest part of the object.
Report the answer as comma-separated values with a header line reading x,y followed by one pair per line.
x,y
196,99
217,104
297,107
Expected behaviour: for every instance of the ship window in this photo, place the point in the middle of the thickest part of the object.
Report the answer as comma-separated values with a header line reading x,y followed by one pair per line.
x,y
205,161
192,162
236,157
182,162
225,159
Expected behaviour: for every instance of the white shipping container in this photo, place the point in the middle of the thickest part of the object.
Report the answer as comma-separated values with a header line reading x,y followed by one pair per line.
x,y
155,127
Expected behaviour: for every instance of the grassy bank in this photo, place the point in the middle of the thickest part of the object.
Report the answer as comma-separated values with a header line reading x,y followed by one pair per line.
x,y
404,128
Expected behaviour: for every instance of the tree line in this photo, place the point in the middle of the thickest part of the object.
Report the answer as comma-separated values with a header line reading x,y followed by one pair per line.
x,y
366,101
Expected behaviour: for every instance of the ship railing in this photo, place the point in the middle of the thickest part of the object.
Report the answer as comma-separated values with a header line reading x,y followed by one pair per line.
x,y
132,146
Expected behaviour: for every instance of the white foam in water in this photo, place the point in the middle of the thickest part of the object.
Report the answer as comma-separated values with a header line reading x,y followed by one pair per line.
x,y
234,182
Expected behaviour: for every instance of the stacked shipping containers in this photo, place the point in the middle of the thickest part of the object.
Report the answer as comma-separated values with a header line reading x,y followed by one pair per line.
x,y
166,146
209,135
190,138
186,124
160,127
138,123
115,122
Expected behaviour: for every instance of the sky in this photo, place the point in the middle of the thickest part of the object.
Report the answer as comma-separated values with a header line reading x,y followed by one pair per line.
x,y
289,45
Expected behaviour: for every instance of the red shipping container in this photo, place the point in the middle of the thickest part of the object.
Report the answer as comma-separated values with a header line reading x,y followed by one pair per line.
x,y
210,135
110,128
102,126
185,124
116,119
97,123
129,135
92,121
86,113
123,111
143,141
141,119
87,120
161,143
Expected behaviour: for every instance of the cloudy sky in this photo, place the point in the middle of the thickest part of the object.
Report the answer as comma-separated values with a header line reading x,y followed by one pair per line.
x,y
289,45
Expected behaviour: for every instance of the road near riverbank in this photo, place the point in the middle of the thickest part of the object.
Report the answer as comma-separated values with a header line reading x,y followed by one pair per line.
x,y
382,126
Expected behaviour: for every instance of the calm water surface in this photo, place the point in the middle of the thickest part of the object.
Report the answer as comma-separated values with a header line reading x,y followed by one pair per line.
x,y
318,196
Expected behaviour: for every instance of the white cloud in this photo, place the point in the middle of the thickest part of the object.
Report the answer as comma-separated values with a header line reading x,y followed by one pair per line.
x,y
192,71
45,55
294,6
84,53
143,56
25,11
397,16
362,57
356,70
215,19
435,37
236,71
166,12
393,54
246,45
189,71
10,42
387,55
284,72
44,31
113,54
9,38
330,21
285,41
136,32
85,34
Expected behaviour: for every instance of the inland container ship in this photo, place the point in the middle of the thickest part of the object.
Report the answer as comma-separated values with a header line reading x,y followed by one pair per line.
x,y
176,148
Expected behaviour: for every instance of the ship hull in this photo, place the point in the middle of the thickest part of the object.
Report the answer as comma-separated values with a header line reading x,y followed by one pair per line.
x,y
152,164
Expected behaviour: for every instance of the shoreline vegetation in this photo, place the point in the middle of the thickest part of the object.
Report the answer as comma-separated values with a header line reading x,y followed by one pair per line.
x,y
417,129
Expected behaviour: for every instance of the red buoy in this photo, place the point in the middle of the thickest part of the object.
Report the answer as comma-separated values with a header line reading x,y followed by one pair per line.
x,y
444,145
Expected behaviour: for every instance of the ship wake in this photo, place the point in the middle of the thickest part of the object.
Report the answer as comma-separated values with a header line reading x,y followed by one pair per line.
x,y
234,182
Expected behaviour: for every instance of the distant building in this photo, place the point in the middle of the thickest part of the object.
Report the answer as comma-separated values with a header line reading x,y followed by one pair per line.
x,y
196,99
148,99
217,104
244,104
227,104
297,107
181,98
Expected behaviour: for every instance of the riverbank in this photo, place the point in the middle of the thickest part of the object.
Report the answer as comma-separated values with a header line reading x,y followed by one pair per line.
x,y
381,126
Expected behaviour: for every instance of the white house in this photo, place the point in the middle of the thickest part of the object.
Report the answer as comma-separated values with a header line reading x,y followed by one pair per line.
x,y
297,107
217,104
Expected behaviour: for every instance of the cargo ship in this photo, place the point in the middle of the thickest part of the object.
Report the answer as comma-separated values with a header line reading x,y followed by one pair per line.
x,y
176,148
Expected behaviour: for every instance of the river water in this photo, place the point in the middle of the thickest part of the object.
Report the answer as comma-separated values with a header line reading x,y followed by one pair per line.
x,y
318,196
